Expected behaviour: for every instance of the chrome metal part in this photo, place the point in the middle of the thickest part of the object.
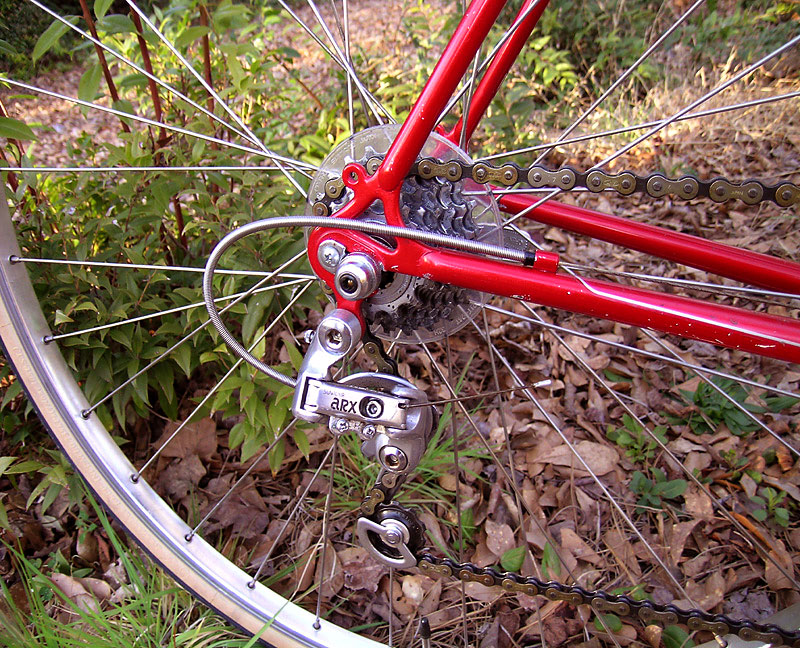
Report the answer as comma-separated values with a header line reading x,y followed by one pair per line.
x,y
387,542
393,458
329,398
358,275
337,335
330,254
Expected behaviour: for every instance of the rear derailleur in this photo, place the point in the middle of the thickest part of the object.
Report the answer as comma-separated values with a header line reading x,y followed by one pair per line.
x,y
391,417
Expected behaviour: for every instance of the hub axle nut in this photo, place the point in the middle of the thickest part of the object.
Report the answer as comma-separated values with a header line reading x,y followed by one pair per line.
x,y
357,276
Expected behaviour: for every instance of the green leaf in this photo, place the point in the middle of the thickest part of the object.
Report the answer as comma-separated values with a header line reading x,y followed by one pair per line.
x,y
183,356
676,637
612,622
101,7
671,489
89,84
760,515
295,356
24,467
551,566
116,24
6,48
301,440
512,559
5,462
15,129
191,34
50,37
276,456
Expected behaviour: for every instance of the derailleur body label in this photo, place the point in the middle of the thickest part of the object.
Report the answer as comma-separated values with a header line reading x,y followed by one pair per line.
x,y
334,399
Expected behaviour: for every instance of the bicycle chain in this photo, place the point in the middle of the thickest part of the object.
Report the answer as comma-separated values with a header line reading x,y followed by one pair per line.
x,y
656,185
646,612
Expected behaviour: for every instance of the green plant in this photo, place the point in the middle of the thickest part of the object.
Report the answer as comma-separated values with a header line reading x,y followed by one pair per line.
x,y
712,408
639,446
769,503
652,491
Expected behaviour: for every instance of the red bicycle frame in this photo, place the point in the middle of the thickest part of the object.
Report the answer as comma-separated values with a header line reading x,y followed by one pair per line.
x,y
691,318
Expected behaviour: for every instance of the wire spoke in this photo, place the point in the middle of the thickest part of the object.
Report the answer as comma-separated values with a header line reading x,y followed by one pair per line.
x,y
244,476
747,413
213,93
642,352
170,311
587,468
170,268
220,382
373,103
756,294
301,166
134,169
666,122
486,61
325,531
459,512
717,503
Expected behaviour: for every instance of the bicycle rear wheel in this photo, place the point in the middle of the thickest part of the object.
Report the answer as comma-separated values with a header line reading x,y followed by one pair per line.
x,y
182,511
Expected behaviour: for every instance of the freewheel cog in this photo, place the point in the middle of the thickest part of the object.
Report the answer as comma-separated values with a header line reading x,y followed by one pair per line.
x,y
406,308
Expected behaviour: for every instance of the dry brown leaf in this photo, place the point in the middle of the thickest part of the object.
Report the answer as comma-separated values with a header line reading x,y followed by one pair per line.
x,y
360,571
601,459
578,548
708,594
330,573
622,551
198,438
677,539
772,573
482,593
499,538
698,503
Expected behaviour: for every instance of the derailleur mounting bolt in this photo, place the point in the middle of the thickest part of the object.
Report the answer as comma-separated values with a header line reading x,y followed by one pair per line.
x,y
330,254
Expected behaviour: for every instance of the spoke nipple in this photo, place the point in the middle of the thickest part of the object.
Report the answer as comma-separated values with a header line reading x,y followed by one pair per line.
x,y
317,625
135,478
188,537
86,414
47,339
13,259
251,584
